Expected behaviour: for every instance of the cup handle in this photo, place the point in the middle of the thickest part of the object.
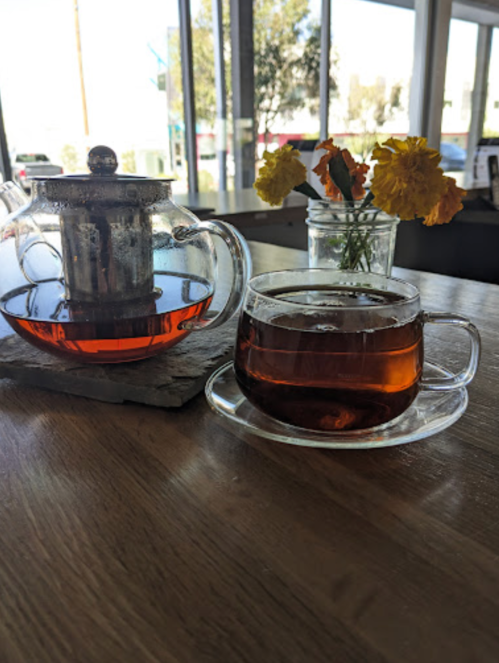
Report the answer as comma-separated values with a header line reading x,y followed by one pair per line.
x,y
241,268
468,373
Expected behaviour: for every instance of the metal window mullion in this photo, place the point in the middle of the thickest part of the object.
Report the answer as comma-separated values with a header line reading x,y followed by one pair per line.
x,y
324,69
479,97
4,150
221,93
428,76
188,93
243,91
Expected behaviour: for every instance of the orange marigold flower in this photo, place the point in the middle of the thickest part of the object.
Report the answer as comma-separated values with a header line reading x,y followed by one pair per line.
x,y
357,170
357,173
448,205
322,170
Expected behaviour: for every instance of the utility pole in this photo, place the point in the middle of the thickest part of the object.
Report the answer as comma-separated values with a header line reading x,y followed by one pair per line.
x,y
82,81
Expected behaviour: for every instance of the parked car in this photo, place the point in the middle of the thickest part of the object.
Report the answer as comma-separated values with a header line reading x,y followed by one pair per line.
x,y
453,157
26,166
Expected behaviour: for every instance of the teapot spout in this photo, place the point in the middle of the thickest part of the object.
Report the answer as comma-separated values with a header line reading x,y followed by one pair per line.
x,y
12,196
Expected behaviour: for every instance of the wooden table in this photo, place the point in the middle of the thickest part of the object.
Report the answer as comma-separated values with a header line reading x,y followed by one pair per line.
x,y
142,535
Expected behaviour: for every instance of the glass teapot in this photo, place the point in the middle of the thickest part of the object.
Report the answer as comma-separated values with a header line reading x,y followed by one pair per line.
x,y
106,268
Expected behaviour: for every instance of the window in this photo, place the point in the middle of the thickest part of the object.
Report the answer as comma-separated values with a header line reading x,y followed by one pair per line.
x,y
459,82
287,44
372,99
40,88
129,102
31,158
211,136
123,87
491,124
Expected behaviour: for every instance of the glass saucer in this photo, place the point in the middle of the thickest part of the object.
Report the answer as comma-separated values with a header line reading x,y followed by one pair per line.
x,y
430,413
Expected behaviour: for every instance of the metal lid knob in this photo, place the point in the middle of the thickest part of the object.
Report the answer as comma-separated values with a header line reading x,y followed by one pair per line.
x,y
102,160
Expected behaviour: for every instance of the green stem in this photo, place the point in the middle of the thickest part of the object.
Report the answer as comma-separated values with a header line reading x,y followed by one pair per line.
x,y
357,247
307,190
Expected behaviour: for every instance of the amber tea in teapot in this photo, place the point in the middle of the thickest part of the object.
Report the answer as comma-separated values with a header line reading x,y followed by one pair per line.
x,y
110,337
107,268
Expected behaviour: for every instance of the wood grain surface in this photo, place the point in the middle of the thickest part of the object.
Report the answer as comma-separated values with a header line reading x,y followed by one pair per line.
x,y
135,534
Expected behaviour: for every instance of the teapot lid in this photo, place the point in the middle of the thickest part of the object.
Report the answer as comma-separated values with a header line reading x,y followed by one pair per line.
x,y
102,184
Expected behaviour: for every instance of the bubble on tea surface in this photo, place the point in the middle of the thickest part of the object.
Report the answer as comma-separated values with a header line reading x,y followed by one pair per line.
x,y
331,297
325,327
299,321
289,321
375,320
337,297
336,309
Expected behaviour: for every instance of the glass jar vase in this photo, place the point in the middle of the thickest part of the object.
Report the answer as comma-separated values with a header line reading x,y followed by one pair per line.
x,y
347,236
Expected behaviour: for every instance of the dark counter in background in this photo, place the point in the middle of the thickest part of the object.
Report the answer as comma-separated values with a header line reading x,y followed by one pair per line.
x,y
468,247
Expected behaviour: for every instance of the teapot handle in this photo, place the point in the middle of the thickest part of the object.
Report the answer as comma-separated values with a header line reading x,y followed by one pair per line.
x,y
13,196
241,267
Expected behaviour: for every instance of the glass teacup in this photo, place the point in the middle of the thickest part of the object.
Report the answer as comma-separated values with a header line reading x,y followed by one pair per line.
x,y
336,351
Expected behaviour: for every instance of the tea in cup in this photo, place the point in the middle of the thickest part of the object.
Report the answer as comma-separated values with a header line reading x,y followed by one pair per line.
x,y
337,351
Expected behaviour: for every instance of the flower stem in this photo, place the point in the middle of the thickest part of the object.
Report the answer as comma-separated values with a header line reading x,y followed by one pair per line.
x,y
307,190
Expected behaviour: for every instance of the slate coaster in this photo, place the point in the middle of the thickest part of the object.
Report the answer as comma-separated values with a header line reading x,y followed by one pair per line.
x,y
167,380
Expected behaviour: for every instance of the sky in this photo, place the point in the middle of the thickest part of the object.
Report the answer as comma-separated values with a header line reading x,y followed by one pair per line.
x,y
40,85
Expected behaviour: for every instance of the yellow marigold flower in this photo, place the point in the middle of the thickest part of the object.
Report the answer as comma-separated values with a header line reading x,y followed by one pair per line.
x,y
448,205
407,180
280,174
357,171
